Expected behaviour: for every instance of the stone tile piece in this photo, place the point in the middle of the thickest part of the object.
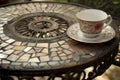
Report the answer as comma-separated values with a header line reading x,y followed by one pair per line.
x,y
15,63
19,48
55,58
27,49
34,64
44,58
54,63
31,51
36,49
41,54
65,46
5,62
8,51
42,45
9,47
34,60
13,57
1,51
10,40
45,50
62,54
76,58
17,43
63,58
67,51
24,58
3,44
31,44
53,54
54,49
3,56
61,42
52,45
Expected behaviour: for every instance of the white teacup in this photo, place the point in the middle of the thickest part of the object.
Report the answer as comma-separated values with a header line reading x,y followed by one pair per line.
x,y
92,21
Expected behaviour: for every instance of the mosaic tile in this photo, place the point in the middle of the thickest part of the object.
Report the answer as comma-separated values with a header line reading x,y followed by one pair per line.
x,y
1,28
5,62
77,58
55,58
24,58
24,64
53,63
3,55
53,54
19,48
44,58
33,60
85,56
60,49
54,49
62,54
65,46
52,45
17,43
67,51
70,56
38,49
33,55
59,52
9,47
31,51
34,64
13,57
17,52
24,43
62,62
31,44
8,51
15,63
3,44
42,45
45,50
63,58
28,65
42,65
27,49
41,54
1,51
92,54
67,61
10,41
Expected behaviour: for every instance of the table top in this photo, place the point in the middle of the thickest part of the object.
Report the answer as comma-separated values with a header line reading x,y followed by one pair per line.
x,y
33,37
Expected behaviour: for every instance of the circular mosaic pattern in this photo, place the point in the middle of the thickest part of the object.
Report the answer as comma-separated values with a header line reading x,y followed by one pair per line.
x,y
37,27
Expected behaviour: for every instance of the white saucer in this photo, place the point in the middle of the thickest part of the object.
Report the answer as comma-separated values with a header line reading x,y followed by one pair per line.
x,y
75,33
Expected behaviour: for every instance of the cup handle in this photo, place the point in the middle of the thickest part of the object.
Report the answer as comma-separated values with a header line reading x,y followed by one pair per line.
x,y
109,21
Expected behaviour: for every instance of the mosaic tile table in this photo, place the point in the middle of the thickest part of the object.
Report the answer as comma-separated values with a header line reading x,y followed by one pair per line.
x,y
33,42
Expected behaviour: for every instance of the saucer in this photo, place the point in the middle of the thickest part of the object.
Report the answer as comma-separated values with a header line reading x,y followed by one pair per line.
x,y
75,33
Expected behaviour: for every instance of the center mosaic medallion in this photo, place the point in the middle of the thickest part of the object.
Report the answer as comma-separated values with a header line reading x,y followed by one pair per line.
x,y
37,27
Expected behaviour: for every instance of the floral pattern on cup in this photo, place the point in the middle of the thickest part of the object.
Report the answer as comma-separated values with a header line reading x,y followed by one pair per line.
x,y
91,28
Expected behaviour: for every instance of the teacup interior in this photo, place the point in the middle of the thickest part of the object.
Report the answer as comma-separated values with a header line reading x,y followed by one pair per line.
x,y
92,15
